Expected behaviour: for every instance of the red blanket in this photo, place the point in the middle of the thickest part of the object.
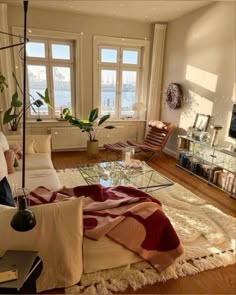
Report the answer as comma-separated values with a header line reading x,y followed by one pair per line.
x,y
125,214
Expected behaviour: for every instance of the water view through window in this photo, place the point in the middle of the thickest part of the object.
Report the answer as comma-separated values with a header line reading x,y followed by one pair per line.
x,y
50,65
119,79
37,80
62,87
108,92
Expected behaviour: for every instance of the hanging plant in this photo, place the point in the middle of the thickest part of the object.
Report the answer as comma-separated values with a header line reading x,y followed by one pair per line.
x,y
2,82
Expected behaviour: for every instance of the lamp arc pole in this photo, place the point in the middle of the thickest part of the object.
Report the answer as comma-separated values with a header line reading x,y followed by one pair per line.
x,y
24,94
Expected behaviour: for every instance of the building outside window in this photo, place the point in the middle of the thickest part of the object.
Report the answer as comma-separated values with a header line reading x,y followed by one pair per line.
x,y
50,64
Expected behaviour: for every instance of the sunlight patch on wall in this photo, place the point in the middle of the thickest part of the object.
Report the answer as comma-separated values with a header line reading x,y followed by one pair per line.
x,y
234,93
202,78
194,104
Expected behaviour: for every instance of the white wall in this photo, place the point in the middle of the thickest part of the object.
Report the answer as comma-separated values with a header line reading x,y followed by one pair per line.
x,y
89,25
200,55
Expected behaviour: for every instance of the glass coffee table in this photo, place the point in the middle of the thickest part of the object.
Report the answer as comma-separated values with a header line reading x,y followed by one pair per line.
x,y
115,173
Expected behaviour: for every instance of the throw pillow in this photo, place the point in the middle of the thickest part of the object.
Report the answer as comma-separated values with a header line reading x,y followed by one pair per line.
x,y
6,197
57,236
4,142
17,147
157,124
10,160
3,164
42,143
29,146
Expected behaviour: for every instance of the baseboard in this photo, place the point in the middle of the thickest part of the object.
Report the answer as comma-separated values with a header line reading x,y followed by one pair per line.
x,y
170,152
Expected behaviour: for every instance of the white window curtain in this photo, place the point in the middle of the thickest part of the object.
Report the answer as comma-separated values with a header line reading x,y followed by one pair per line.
x,y
155,89
5,62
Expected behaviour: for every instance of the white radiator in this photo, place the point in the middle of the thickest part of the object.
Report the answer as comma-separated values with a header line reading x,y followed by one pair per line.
x,y
69,138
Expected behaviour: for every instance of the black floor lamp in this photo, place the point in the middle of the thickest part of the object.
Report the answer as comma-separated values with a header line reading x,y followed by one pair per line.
x,y
24,219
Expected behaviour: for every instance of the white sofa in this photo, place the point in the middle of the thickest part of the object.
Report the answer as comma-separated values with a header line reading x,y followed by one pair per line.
x,y
40,172
39,167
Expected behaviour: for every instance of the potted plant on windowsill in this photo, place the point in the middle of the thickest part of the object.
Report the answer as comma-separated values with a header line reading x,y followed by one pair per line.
x,y
14,113
91,126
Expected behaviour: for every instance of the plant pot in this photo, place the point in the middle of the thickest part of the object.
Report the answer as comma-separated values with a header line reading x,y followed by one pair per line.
x,y
15,132
92,147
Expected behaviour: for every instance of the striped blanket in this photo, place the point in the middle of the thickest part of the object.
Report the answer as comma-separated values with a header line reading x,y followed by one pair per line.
x,y
129,216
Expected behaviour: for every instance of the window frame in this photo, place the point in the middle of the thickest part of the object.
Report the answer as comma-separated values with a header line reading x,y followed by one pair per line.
x,y
55,37
142,46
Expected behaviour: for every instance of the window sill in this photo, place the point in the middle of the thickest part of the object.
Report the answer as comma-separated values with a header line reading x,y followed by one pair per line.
x,y
126,120
63,121
44,121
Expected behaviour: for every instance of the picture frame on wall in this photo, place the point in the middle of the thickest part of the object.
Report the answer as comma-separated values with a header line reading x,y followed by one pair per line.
x,y
201,122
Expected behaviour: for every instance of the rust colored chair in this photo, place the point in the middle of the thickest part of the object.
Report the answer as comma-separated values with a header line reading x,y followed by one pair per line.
x,y
154,142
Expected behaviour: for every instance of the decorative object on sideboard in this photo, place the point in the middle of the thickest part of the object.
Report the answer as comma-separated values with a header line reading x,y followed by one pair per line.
x,y
90,125
190,131
201,122
198,135
232,128
25,217
216,129
205,136
174,96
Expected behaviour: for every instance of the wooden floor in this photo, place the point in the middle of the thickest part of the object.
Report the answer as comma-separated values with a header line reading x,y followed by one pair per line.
x,y
217,281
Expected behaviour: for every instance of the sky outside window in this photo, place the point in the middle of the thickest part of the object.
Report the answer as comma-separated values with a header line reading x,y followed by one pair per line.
x,y
130,57
35,49
109,55
60,51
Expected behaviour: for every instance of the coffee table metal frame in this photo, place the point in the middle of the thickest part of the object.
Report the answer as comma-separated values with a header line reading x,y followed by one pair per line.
x,y
116,173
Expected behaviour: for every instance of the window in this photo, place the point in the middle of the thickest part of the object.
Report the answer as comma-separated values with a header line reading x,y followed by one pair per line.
x,y
50,64
53,62
120,75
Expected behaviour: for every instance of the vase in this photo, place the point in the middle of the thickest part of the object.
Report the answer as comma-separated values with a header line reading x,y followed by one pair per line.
x,y
92,147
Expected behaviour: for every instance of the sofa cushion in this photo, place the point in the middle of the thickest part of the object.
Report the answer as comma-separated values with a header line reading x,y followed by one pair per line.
x,y
6,197
34,178
36,161
3,164
57,237
4,142
97,255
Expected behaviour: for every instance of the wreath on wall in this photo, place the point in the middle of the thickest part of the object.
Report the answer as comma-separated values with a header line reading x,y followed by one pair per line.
x,y
174,96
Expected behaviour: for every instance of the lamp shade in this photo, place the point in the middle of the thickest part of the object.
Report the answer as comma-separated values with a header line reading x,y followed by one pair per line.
x,y
138,106
24,219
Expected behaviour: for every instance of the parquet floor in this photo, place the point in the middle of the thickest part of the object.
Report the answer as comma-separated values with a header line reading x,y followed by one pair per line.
x,y
217,281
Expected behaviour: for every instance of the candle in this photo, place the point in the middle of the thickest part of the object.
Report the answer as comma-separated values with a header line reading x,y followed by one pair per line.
x,y
127,157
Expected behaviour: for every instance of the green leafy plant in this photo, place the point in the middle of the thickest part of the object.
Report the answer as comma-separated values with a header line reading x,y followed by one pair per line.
x,y
3,83
91,126
13,115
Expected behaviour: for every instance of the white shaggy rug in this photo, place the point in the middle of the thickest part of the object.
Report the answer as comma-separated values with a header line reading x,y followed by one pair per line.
x,y
207,234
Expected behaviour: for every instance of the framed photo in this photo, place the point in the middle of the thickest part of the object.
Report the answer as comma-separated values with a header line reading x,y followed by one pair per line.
x,y
201,122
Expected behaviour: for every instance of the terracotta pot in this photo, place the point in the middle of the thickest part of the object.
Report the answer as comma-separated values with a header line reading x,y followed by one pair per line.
x,y
92,147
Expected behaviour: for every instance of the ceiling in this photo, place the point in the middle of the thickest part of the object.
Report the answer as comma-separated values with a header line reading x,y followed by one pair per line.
x,y
142,11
